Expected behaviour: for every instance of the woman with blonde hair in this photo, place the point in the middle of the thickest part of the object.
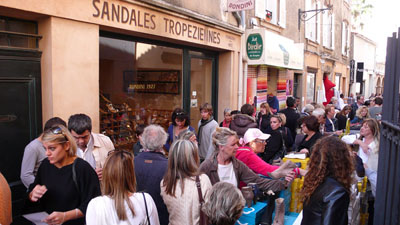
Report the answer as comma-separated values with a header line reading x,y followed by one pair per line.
x,y
326,190
264,117
280,141
224,166
64,183
178,188
361,114
120,203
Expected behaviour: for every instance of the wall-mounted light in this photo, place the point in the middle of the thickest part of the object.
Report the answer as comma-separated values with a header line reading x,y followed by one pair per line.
x,y
303,16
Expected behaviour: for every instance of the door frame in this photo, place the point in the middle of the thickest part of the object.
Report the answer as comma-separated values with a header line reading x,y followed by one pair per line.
x,y
187,57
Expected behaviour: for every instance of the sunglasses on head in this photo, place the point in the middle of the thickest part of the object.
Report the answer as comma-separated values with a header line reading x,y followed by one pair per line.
x,y
180,113
57,130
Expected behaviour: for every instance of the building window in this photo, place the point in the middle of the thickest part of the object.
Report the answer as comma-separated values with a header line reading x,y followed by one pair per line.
x,y
310,87
345,38
312,25
18,33
273,11
328,29
337,81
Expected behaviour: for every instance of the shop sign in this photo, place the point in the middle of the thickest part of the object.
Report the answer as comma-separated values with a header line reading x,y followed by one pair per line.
x,y
278,51
254,46
153,22
239,5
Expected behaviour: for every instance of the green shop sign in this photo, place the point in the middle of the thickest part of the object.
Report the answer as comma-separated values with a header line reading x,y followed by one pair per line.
x,y
254,46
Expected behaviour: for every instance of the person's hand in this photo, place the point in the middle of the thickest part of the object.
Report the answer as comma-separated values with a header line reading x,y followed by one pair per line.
x,y
364,147
55,218
290,176
99,172
304,150
365,166
37,192
193,139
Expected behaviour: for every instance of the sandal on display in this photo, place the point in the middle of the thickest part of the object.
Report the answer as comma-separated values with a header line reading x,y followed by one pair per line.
x,y
111,108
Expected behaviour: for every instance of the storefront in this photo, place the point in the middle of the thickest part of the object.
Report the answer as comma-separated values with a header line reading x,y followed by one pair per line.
x,y
274,62
123,63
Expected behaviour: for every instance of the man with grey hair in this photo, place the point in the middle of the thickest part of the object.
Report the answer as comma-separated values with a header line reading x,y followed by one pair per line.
x,y
320,114
151,165
307,110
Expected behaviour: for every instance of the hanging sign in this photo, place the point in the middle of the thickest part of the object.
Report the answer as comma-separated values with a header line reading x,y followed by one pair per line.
x,y
239,5
254,46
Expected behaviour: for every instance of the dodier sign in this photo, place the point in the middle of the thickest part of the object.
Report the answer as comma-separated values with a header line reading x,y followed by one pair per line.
x,y
239,5
254,46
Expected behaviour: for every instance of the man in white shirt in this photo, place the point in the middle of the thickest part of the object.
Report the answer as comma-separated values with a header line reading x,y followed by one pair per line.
x,y
92,147
341,102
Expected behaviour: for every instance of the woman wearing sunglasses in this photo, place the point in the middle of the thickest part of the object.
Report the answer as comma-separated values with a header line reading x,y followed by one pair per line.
x,y
120,203
180,122
64,183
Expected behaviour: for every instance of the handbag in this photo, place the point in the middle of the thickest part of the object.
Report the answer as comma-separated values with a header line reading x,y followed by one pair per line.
x,y
203,216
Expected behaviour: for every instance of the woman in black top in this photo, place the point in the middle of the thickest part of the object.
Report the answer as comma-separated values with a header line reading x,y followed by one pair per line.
x,y
326,190
342,117
310,127
64,183
279,133
263,118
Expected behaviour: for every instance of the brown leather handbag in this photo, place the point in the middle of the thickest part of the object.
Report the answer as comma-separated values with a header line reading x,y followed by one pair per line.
x,y
203,216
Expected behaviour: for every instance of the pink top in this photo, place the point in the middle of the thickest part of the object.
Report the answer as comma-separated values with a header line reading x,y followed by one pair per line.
x,y
255,163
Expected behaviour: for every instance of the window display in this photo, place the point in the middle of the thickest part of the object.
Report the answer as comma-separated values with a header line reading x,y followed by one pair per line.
x,y
139,84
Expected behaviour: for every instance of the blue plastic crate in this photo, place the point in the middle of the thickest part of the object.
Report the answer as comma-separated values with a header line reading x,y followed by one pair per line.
x,y
252,215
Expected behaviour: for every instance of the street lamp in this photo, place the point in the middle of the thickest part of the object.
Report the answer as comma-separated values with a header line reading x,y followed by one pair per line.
x,y
303,14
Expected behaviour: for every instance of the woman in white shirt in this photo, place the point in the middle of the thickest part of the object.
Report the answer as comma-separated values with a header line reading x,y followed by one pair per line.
x,y
178,188
120,204
369,149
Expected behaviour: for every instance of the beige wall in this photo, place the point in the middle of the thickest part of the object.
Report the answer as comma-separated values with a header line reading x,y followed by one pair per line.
x,y
70,69
227,83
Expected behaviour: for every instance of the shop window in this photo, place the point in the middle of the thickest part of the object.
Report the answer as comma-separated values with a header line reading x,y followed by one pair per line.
x,y
140,83
310,87
18,33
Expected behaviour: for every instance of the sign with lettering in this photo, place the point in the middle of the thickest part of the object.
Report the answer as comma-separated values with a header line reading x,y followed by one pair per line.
x,y
280,51
137,17
239,5
254,46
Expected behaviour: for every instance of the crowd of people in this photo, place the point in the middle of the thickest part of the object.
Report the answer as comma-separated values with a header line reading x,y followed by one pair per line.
x,y
180,177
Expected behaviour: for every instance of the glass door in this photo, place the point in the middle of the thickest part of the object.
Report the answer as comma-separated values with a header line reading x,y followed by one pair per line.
x,y
202,82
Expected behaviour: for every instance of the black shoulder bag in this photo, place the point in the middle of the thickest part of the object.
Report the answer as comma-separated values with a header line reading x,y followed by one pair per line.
x,y
282,151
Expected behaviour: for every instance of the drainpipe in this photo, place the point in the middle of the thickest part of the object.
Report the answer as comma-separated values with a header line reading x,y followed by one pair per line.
x,y
241,22
242,63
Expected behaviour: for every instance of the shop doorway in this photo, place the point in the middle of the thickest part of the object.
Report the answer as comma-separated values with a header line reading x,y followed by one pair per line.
x,y
201,76
20,115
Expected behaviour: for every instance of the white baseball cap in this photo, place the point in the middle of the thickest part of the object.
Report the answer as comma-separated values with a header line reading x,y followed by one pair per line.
x,y
254,133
